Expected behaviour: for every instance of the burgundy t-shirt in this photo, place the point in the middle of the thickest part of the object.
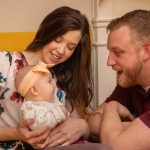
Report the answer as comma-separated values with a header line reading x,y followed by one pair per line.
x,y
136,99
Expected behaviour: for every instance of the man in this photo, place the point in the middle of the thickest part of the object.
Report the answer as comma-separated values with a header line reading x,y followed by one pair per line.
x,y
129,55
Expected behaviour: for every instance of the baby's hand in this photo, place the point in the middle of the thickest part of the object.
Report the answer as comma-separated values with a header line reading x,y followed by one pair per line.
x,y
64,110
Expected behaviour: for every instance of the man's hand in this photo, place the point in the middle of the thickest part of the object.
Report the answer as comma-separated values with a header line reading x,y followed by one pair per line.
x,y
123,112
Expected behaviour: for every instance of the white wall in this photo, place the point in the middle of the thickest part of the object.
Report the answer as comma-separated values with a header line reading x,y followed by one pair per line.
x,y
26,15
104,11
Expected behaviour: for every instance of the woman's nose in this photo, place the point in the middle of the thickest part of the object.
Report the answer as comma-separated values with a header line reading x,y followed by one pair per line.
x,y
61,49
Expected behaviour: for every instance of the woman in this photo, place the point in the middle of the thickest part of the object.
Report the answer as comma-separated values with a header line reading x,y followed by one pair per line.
x,y
63,39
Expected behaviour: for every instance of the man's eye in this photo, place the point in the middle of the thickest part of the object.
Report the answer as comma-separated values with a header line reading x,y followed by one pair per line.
x,y
118,54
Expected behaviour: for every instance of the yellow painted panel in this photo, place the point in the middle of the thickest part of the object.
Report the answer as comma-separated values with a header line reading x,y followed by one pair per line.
x,y
15,41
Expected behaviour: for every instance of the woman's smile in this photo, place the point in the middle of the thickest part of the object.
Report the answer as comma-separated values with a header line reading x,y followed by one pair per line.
x,y
54,57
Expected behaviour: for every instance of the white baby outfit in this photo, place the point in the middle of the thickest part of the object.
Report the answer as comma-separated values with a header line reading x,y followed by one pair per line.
x,y
43,112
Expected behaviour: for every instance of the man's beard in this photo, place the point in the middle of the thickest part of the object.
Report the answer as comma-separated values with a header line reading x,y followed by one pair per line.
x,y
131,75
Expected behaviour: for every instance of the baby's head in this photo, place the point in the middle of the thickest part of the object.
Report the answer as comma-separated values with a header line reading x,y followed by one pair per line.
x,y
35,82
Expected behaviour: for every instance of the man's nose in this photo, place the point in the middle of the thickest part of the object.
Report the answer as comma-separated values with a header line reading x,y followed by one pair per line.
x,y
111,60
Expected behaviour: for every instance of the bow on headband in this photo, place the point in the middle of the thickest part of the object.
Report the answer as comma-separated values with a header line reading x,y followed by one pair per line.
x,y
32,76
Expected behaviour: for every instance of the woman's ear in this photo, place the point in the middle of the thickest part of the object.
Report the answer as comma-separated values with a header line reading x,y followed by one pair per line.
x,y
146,52
34,91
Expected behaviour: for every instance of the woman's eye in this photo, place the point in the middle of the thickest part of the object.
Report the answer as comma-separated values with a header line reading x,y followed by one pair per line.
x,y
58,40
71,48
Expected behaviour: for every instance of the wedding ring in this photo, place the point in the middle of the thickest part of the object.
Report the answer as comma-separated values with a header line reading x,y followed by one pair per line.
x,y
38,140
59,142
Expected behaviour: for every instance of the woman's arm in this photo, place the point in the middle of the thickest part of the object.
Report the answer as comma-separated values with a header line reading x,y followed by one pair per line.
x,y
8,133
22,132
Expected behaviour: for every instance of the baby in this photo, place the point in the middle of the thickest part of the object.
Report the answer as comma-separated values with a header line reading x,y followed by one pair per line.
x,y
35,84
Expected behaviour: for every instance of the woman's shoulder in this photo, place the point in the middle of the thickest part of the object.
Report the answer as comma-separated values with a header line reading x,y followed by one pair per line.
x,y
10,56
11,61
6,59
7,54
2,52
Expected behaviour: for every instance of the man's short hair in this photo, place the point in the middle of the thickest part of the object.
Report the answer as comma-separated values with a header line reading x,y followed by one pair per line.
x,y
138,21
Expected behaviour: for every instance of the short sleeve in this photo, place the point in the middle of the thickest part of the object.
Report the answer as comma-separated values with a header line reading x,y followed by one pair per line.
x,y
5,63
146,118
122,95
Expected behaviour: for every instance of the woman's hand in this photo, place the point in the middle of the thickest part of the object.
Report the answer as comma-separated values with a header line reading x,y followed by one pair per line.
x,y
68,132
37,138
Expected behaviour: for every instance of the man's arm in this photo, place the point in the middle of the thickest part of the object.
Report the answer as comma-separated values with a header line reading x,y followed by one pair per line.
x,y
112,131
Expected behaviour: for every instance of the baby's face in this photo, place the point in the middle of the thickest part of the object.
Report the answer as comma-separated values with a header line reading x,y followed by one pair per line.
x,y
46,86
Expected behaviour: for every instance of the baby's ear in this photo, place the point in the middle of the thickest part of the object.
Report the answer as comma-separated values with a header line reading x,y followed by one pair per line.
x,y
34,91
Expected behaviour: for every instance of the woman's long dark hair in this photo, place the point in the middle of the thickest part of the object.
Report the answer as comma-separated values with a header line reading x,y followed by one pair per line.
x,y
74,75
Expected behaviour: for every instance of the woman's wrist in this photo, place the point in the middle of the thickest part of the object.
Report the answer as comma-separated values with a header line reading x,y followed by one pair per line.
x,y
16,133
8,133
86,132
